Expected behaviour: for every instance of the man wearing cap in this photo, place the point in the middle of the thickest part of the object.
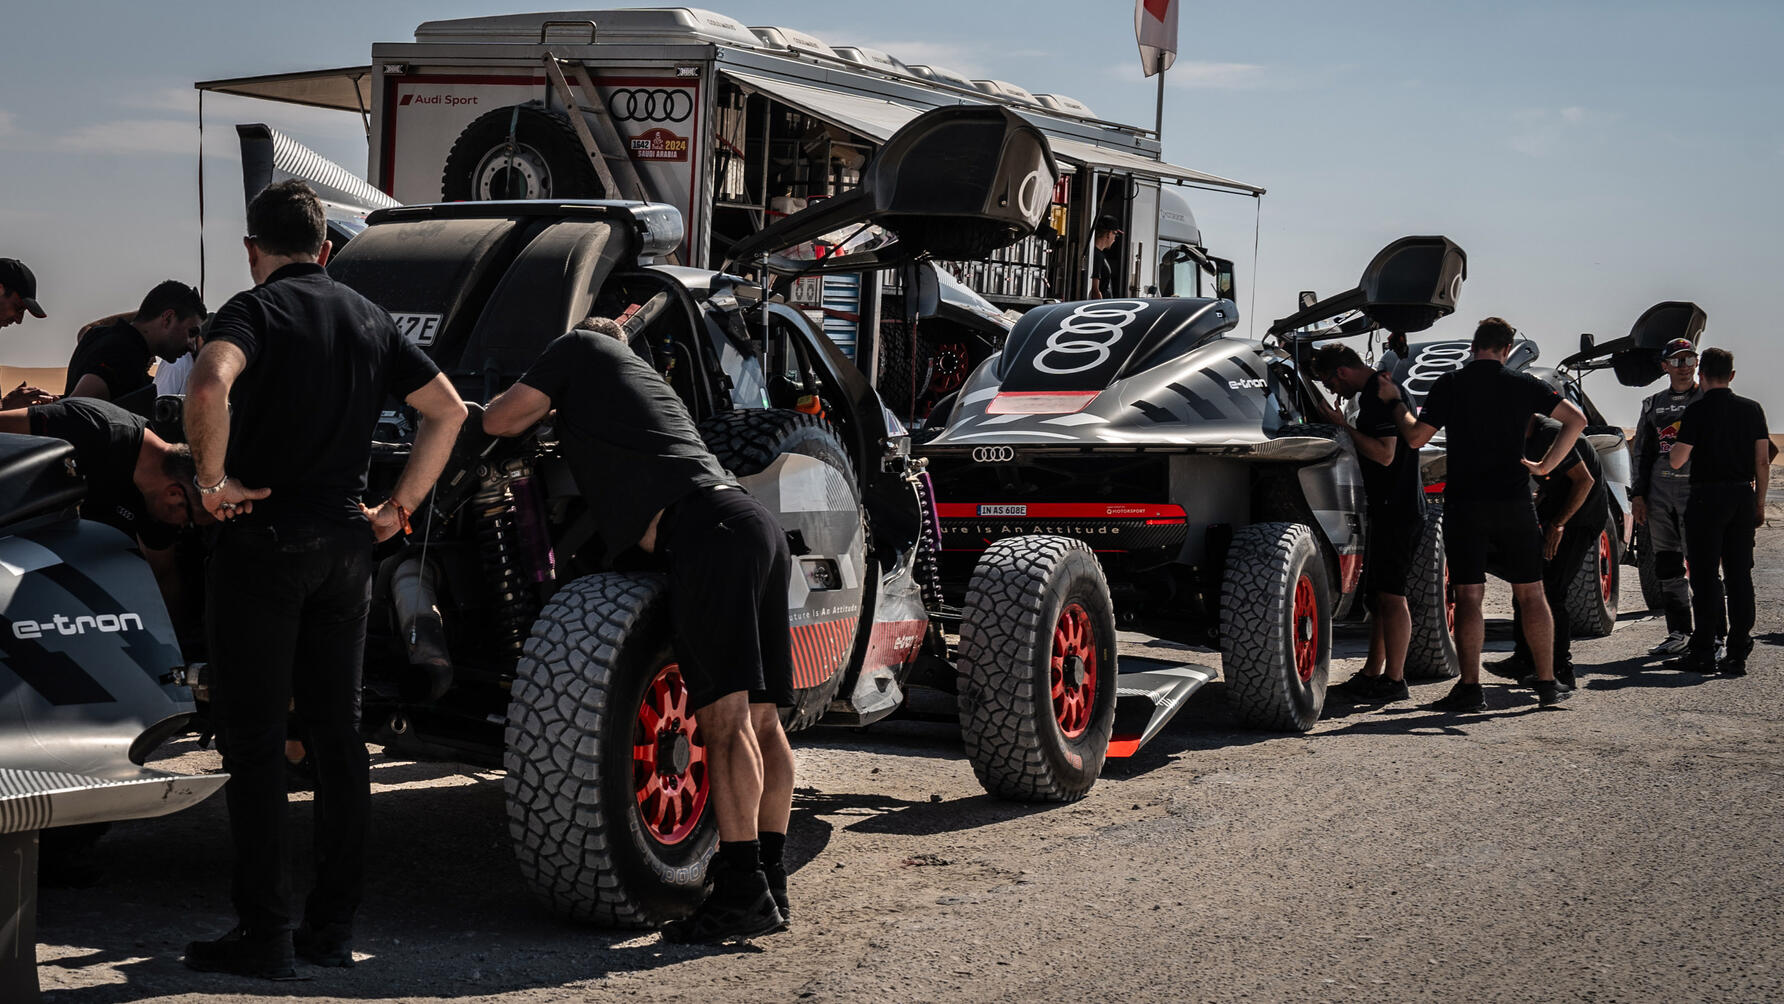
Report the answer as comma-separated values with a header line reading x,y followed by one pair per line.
x,y
1657,493
1732,447
113,360
1102,270
18,292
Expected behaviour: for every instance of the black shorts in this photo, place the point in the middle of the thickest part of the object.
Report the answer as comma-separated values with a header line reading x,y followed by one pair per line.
x,y
728,567
1387,556
1504,536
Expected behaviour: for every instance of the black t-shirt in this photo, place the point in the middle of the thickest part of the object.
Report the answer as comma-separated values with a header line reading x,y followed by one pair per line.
x,y
1484,409
1395,486
322,360
630,442
1103,271
1554,489
1721,428
117,353
107,440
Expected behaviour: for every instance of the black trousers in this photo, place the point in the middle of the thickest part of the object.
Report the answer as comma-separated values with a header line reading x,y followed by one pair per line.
x,y
286,605
1719,535
1557,575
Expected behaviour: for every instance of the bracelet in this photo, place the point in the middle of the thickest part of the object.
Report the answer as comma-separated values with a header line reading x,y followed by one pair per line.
x,y
212,490
402,515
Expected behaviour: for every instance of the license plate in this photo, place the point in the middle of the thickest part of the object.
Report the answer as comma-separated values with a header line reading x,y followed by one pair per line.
x,y
1003,510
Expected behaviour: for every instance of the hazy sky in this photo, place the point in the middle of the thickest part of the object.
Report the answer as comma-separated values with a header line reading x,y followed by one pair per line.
x,y
1591,157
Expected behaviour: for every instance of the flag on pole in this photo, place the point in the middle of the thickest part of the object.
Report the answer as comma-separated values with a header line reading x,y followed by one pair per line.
x,y
1155,26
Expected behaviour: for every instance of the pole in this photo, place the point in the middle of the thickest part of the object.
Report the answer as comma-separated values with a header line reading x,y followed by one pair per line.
x,y
1158,123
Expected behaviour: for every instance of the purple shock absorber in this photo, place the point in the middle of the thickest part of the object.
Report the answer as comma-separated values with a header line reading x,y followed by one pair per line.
x,y
529,518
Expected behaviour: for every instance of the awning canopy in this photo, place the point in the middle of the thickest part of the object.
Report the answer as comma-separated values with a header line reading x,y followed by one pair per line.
x,y
348,88
879,118
873,117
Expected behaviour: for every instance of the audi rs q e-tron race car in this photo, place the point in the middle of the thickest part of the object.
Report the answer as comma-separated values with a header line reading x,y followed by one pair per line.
x,y
1181,456
1593,596
92,681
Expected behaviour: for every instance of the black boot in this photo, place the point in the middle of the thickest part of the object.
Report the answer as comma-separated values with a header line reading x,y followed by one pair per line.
x,y
328,945
267,956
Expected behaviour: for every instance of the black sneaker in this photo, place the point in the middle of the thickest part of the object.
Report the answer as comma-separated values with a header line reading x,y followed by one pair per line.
x,y
1514,667
1564,676
329,945
777,887
736,910
1388,691
1691,662
1464,698
242,954
1550,693
1361,686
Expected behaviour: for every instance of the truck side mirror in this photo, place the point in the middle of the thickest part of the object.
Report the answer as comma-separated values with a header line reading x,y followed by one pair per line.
x,y
1225,285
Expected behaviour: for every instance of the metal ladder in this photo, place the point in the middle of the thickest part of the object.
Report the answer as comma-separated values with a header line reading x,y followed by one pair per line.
x,y
582,102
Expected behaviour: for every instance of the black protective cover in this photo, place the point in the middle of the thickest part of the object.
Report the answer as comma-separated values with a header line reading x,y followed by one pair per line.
x,y
955,182
37,477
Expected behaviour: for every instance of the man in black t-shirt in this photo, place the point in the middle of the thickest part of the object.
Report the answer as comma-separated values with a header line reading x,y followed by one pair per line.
x,y
1570,502
307,365
1103,269
113,360
1396,509
136,482
651,482
1487,509
1724,438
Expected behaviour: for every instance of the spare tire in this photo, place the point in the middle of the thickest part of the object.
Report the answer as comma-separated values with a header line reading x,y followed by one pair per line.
x,y
819,505
547,160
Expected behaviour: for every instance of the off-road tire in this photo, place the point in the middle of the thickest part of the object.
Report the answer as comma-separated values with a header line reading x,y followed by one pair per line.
x,y
746,442
571,173
1020,590
1431,652
1258,603
1591,613
573,817
1653,595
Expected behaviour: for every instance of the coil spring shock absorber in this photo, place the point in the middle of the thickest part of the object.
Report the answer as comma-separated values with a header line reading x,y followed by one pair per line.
x,y
929,542
499,547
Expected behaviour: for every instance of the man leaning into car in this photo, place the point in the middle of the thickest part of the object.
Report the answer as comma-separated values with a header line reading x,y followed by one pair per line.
x,y
1487,506
652,483
288,587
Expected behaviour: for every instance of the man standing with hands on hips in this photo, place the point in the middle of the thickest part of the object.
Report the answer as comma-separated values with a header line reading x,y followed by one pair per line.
x,y
1487,507
1724,438
306,364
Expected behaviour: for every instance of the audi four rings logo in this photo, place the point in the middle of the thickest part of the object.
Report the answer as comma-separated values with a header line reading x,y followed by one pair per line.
x,y
993,454
1097,325
652,104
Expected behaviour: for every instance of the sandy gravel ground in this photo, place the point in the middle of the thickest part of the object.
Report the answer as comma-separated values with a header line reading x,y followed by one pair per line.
x,y
1626,847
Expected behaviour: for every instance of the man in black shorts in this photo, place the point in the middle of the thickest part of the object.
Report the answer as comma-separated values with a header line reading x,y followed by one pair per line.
x,y
1570,502
1396,509
650,480
1487,508
1724,438
113,360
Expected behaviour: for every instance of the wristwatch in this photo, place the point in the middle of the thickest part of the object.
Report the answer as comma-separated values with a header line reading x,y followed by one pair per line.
x,y
212,490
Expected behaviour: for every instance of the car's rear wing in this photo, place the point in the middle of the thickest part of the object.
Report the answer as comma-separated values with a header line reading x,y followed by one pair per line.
x,y
1408,286
1635,357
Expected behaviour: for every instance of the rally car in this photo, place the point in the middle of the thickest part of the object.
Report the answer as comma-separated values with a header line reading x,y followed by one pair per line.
x,y
1183,456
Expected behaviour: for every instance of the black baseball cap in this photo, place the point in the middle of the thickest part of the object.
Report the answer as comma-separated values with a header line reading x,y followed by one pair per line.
x,y
18,279
1107,223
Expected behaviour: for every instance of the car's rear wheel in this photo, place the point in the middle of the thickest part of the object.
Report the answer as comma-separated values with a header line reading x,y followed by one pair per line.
x,y
1592,595
1431,651
608,793
1037,669
1275,627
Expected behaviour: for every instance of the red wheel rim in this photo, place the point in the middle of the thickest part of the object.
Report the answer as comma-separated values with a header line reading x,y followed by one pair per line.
x,y
1073,670
1306,629
1605,566
669,769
